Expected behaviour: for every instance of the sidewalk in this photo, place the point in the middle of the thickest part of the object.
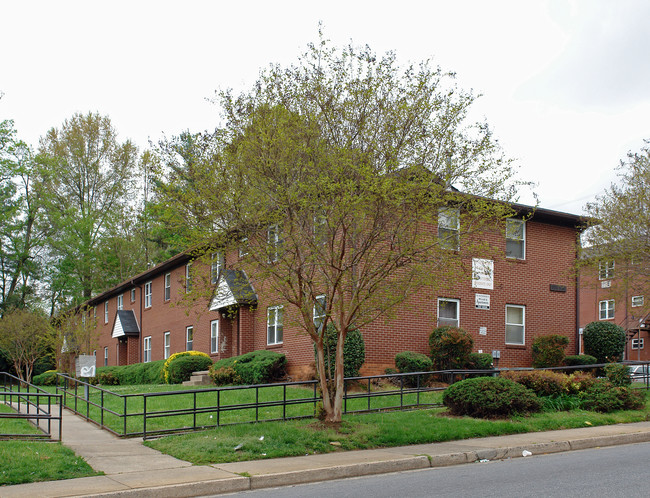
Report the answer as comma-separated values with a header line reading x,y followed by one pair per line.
x,y
135,470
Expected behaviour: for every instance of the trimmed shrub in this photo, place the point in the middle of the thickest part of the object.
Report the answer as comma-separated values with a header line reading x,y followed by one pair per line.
x,y
181,369
604,340
256,367
579,359
224,376
579,382
138,373
605,397
548,350
488,397
618,375
541,382
44,364
479,361
167,362
409,361
48,378
107,379
450,347
354,351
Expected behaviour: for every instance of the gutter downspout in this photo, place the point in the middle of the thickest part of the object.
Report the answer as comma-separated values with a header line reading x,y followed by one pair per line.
x,y
578,336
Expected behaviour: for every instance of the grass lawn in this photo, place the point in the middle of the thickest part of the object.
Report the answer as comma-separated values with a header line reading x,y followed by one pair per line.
x,y
31,461
363,431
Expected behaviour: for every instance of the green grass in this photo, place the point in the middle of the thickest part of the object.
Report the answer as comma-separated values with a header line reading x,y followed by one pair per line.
x,y
31,461
364,431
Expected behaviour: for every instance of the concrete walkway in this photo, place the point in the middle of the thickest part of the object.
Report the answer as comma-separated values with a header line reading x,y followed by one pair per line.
x,y
134,470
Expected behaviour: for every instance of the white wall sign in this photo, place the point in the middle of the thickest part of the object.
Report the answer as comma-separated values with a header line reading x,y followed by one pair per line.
x,y
85,365
482,301
482,273
482,331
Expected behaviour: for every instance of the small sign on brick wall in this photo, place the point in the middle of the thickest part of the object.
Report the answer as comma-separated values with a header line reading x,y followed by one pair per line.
x,y
558,288
482,301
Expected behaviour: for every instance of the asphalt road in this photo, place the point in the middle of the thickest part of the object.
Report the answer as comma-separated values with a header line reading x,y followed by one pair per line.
x,y
618,471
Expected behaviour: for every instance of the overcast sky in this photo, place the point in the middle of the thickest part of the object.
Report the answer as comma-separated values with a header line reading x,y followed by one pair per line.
x,y
565,84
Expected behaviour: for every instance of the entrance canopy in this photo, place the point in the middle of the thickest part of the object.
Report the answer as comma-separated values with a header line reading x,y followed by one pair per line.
x,y
233,288
125,324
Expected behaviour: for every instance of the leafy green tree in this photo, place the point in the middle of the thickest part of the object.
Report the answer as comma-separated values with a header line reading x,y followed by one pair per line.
x,y
87,183
333,172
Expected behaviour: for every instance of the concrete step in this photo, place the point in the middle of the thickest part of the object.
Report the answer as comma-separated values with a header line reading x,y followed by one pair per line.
x,y
199,379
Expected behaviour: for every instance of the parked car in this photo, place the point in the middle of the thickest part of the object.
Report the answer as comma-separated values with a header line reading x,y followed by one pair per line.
x,y
639,372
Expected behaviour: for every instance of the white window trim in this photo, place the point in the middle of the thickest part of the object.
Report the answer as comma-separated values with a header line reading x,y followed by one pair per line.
x,y
450,300
146,357
216,263
443,217
167,345
214,336
167,292
147,294
607,309
522,325
133,295
522,240
278,312
640,301
606,269
637,343
120,302
106,356
105,311
243,247
188,277
319,318
187,338
274,241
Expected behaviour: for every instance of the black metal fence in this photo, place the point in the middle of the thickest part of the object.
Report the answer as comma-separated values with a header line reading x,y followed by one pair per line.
x,y
168,411
33,404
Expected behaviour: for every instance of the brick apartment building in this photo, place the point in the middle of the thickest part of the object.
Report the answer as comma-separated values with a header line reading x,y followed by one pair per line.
x,y
504,302
613,291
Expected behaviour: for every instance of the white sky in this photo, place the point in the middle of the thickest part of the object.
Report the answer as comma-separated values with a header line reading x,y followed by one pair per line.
x,y
565,83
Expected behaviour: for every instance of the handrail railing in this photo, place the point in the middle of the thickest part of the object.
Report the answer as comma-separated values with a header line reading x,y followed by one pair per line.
x,y
33,404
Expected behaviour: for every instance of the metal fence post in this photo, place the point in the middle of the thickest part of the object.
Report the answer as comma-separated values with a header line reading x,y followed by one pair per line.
x,y
144,417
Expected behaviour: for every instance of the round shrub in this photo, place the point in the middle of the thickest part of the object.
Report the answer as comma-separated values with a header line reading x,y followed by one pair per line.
x,y
618,375
48,378
604,397
409,361
579,359
479,361
256,367
450,347
604,340
224,376
168,361
548,350
354,351
541,382
181,369
489,397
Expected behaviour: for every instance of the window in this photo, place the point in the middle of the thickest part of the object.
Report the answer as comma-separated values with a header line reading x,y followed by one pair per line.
x,y
449,228
320,229
106,356
275,242
167,345
188,277
320,307
168,286
95,352
147,349
94,312
147,295
133,295
637,343
637,301
215,267
105,311
189,338
515,239
214,336
606,309
120,302
243,247
605,270
274,325
515,324
448,312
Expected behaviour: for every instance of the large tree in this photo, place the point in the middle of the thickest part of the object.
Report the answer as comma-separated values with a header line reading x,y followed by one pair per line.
x,y
87,183
334,173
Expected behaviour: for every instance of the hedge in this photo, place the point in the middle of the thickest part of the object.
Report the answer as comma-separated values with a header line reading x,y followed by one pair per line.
x,y
181,369
548,350
138,373
256,367
168,361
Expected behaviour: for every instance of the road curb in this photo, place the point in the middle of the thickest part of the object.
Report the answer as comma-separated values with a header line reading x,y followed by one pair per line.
x,y
181,490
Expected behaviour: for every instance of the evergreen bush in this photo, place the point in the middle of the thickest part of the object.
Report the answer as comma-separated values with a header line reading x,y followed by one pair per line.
x,y
181,369
138,373
256,367
479,361
541,382
48,378
579,359
604,340
450,347
604,397
354,351
548,350
168,361
618,374
409,361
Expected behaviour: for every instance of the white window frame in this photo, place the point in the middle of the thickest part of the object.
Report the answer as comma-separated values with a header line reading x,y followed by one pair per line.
x,y
189,338
521,325
637,301
120,302
515,238
167,345
449,228
320,311
146,357
274,316
133,295
106,311
447,321
243,247
105,356
147,294
94,312
188,277
214,336
167,293
606,269
274,240
216,264
606,309
637,343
